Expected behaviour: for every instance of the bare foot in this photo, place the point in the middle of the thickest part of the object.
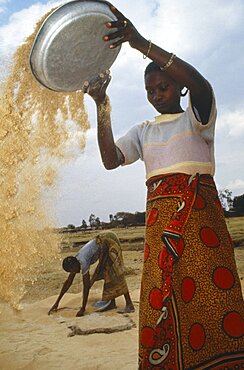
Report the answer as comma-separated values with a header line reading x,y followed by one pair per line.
x,y
127,309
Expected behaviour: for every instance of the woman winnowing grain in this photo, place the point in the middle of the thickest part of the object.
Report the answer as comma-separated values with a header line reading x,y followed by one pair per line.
x,y
191,306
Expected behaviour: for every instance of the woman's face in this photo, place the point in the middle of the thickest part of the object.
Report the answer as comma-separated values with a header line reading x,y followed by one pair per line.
x,y
163,92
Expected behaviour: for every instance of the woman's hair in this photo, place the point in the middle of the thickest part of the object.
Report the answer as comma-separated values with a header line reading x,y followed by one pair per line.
x,y
68,262
152,67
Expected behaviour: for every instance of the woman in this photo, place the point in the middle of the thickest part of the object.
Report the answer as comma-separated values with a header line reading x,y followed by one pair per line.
x,y
191,307
105,249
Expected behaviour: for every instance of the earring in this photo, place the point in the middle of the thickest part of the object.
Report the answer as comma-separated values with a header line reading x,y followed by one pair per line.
x,y
184,93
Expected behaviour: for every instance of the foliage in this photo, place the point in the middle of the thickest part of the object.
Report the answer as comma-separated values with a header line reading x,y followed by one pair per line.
x,y
225,197
238,203
98,222
70,226
84,224
94,221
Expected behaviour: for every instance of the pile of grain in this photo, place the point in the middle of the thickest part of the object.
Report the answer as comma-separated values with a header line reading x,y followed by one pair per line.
x,y
34,137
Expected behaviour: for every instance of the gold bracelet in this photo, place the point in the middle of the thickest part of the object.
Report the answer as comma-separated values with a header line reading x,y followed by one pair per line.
x,y
170,61
148,50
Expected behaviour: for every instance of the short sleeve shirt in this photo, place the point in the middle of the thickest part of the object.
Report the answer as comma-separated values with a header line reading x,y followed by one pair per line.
x,y
172,143
88,255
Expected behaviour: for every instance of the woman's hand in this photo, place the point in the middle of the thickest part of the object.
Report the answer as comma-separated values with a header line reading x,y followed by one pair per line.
x,y
125,31
97,87
53,308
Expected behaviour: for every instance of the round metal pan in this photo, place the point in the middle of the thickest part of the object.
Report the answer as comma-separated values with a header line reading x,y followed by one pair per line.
x,y
69,47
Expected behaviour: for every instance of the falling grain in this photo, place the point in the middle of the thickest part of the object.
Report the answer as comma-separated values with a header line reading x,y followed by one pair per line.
x,y
34,137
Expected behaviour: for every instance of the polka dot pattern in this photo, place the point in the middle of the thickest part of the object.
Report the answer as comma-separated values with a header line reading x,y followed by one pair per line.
x,y
201,314
209,237
223,278
156,298
233,324
146,252
188,289
196,337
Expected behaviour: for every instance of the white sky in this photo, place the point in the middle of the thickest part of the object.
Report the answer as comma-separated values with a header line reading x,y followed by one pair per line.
x,y
208,34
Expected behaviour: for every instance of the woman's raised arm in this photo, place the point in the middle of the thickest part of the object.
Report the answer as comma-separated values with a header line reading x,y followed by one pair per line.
x,y
182,72
110,154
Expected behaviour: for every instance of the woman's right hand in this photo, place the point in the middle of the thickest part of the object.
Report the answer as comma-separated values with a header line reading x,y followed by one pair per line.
x,y
97,87
53,308
125,31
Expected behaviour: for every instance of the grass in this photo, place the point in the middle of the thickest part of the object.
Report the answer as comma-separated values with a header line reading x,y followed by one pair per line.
x,y
236,229
133,237
129,237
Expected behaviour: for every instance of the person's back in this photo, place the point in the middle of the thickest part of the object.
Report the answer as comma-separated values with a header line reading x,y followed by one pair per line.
x,y
88,255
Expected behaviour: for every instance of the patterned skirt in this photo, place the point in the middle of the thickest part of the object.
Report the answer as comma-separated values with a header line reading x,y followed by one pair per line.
x,y
111,266
191,306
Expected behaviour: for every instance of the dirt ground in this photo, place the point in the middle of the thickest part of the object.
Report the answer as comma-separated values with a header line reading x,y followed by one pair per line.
x,y
32,340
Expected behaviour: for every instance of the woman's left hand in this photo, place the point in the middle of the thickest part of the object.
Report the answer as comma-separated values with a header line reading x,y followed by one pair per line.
x,y
97,87
80,313
125,31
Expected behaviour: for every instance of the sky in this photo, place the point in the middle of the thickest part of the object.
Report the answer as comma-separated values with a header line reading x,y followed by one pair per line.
x,y
207,34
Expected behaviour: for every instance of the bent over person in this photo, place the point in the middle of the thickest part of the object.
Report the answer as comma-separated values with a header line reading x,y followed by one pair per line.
x,y
105,249
191,306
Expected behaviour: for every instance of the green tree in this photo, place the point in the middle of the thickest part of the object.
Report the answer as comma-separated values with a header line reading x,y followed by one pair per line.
x,y
97,222
92,220
84,224
238,203
70,226
140,218
225,197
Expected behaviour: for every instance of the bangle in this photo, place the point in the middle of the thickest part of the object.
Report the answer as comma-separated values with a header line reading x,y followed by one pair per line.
x,y
170,61
148,50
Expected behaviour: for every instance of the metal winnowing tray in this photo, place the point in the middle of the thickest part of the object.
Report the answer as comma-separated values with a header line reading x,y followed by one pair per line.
x,y
69,48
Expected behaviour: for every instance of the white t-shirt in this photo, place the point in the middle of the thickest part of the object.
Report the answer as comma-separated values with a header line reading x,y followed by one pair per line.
x,y
172,143
88,255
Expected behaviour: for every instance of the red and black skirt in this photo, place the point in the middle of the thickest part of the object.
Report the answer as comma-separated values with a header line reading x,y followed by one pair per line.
x,y
191,307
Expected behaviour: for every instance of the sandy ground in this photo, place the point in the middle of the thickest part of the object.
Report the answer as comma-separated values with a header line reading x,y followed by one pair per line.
x,y
32,340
